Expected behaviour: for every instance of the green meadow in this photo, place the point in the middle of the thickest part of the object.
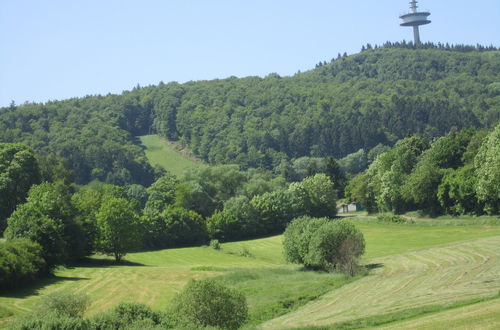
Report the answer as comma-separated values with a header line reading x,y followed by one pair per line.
x,y
163,153
406,261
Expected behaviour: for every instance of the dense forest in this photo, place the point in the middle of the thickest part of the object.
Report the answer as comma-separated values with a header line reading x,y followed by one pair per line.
x,y
370,99
456,174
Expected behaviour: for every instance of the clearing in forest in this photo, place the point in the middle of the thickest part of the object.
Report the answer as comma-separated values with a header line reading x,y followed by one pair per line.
x,y
164,153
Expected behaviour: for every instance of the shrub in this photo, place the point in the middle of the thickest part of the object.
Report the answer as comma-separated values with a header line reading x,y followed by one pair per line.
x,y
50,321
209,303
391,218
214,244
297,236
127,315
20,261
335,245
28,222
63,303
223,225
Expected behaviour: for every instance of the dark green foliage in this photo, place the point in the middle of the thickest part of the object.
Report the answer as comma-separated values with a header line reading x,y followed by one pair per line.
x,y
314,196
92,134
457,174
137,192
391,218
225,226
48,218
193,196
175,226
59,310
136,316
457,194
209,303
87,201
354,163
355,102
238,220
297,236
487,165
118,228
18,172
336,245
160,194
324,244
50,321
274,210
63,303
336,175
28,222
21,261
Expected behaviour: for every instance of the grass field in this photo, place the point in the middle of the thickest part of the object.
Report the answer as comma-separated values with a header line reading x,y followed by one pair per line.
x,y
419,265
163,153
434,276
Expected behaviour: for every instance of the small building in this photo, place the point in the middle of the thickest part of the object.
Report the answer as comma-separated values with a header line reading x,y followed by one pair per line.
x,y
345,208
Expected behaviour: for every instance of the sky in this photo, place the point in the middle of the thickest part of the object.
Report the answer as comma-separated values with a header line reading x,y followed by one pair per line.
x,y
58,49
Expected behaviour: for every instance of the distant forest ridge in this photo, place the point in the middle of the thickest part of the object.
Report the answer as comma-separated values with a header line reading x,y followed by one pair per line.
x,y
377,96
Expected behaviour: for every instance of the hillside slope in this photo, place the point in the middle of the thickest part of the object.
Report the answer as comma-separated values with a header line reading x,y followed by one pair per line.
x,y
359,101
436,276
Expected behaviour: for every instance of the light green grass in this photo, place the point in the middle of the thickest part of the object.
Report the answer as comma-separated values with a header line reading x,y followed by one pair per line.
x,y
163,153
481,315
405,282
272,287
386,239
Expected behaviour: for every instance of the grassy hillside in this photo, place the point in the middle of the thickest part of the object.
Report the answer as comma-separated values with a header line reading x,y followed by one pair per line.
x,y
406,284
161,152
483,315
273,288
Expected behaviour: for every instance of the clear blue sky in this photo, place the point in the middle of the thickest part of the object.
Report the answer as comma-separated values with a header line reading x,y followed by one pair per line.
x,y
57,49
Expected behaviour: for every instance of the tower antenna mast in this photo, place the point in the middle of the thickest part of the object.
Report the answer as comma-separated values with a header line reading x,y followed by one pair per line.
x,y
415,19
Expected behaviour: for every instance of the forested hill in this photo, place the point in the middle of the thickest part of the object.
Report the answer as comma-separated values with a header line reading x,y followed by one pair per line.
x,y
377,96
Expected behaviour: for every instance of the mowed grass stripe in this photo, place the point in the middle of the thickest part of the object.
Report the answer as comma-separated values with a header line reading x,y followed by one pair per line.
x,y
482,315
158,275
441,275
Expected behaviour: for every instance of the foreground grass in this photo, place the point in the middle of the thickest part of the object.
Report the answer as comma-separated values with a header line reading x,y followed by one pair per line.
x,y
161,152
480,315
407,285
255,267
420,317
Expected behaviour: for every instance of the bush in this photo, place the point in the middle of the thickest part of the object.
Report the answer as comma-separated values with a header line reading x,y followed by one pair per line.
x,y
391,218
297,236
175,226
50,321
28,222
209,303
335,245
223,225
214,244
320,243
63,303
20,262
126,314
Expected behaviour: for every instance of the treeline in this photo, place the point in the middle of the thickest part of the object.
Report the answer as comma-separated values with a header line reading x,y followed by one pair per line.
x,y
378,96
455,174
94,136
53,221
